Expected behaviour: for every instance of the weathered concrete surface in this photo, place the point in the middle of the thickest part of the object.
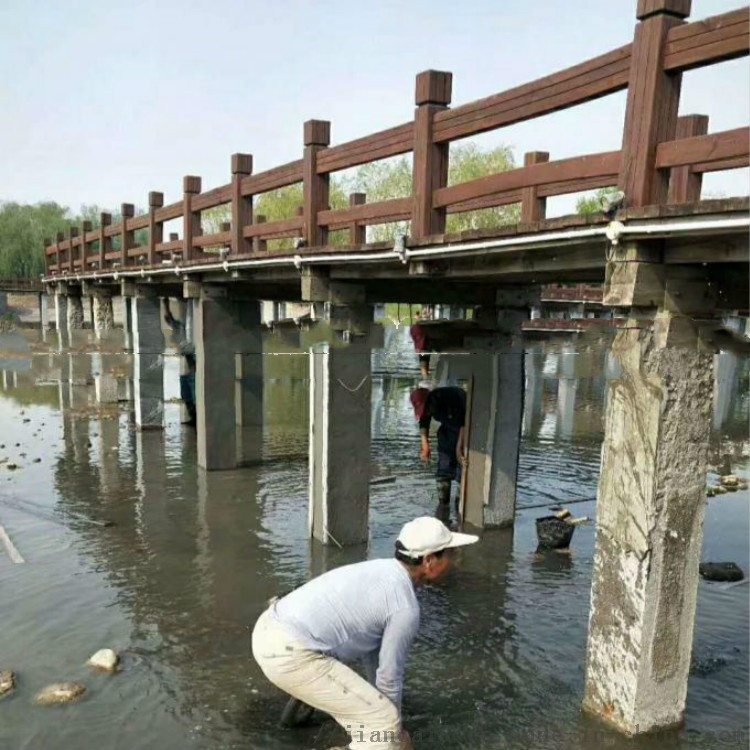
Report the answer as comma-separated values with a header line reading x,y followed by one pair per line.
x,y
649,529
103,315
75,313
340,414
148,362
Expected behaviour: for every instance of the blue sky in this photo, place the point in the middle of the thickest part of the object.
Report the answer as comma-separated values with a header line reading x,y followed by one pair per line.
x,y
104,101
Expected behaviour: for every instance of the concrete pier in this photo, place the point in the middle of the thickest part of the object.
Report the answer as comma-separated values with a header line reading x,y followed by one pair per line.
x,y
494,436
249,390
650,512
224,328
148,362
340,394
44,311
102,314
75,312
61,310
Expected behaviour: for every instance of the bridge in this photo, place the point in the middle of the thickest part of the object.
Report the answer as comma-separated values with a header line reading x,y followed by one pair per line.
x,y
671,265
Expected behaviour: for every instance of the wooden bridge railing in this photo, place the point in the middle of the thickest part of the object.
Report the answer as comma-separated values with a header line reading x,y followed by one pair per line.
x,y
657,147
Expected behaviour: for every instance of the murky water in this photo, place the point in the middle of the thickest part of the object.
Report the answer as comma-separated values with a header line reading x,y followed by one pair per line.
x,y
176,582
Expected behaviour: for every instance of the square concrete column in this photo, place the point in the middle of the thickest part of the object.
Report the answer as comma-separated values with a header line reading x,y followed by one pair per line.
x,y
340,391
650,510
75,313
224,328
148,361
102,314
494,435
44,311
249,389
61,311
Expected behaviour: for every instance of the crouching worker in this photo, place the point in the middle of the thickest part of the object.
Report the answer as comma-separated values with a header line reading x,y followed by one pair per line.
x,y
367,612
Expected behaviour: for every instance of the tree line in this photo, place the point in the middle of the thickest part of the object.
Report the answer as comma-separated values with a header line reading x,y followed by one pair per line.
x,y
24,227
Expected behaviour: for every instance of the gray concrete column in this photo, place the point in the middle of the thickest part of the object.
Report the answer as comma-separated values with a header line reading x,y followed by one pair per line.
x,y
532,403
725,385
75,313
61,311
497,398
249,390
148,362
127,324
43,311
102,314
223,329
650,510
3,303
340,392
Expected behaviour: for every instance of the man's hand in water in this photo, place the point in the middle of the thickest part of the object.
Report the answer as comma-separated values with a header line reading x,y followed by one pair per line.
x,y
426,453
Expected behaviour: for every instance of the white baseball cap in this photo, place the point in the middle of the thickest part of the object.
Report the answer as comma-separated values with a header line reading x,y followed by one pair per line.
x,y
426,535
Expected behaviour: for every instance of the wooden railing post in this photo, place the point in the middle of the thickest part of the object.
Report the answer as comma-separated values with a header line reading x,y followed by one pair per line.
x,y
533,208
430,171
653,101
155,228
87,226
259,244
59,237
685,184
72,234
191,220
105,243
357,232
242,206
127,211
315,187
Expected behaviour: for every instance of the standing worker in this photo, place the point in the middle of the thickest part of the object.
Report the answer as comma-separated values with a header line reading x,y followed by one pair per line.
x,y
422,345
187,352
446,405
367,611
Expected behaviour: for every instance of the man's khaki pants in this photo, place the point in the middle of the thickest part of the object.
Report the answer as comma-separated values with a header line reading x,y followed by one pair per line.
x,y
328,685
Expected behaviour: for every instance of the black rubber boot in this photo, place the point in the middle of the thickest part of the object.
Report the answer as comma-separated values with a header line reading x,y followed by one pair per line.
x,y
443,511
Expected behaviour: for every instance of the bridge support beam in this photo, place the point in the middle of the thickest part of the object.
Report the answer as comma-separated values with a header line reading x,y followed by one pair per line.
x,y
340,415
650,511
248,396
499,384
43,311
61,311
494,437
75,312
103,316
148,360
224,328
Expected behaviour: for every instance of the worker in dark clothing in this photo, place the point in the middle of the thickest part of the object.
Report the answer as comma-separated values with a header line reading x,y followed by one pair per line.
x,y
448,406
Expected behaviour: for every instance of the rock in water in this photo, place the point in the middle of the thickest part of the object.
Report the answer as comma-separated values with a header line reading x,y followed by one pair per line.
x,y
104,659
723,571
7,682
730,480
60,692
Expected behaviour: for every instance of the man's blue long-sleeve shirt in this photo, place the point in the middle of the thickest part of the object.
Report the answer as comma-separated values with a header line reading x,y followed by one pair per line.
x,y
367,611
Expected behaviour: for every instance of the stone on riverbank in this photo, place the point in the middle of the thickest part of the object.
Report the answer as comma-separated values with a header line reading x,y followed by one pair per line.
x,y
59,692
729,480
105,660
7,682
723,571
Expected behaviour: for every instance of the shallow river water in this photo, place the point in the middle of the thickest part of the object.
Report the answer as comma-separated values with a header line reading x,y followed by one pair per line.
x,y
176,581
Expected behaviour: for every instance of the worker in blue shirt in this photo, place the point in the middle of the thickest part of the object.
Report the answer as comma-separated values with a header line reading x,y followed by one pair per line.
x,y
362,612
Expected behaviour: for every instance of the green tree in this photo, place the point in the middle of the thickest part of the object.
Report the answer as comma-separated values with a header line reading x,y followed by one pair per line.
x,y
592,203
23,229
